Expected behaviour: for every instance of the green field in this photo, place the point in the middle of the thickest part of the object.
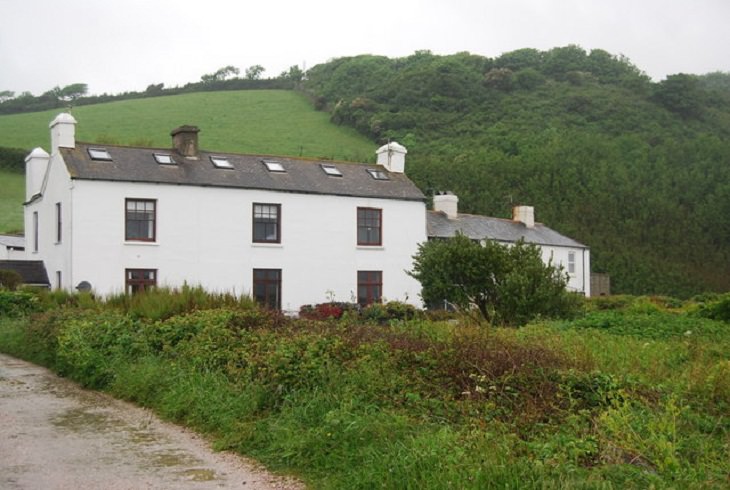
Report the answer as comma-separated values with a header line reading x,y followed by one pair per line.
x,y
273,122
12,192
254,121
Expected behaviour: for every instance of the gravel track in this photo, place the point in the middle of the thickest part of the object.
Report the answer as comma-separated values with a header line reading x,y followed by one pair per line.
x,y
56,435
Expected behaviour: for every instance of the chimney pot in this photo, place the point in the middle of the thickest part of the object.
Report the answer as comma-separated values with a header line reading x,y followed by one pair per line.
x,y
393,157
446,202
524,215
185,141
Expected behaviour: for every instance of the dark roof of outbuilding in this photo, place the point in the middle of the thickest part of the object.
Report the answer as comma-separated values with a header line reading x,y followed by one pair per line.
x,y
32,271
503,230
249,172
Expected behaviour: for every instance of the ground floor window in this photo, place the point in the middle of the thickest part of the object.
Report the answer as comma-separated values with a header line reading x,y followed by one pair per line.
x,y
267,287
136,280
369,287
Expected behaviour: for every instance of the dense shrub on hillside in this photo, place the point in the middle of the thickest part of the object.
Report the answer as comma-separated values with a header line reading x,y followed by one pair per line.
x,y
17,303
718,309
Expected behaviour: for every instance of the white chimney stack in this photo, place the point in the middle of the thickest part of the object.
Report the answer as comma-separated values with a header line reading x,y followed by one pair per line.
x,y
447,203
524,215
36,164
393,157
63,132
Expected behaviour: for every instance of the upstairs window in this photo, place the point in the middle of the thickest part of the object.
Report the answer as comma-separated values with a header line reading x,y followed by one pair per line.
x,y
571,263
369,226
138,280
369,287
274,166
331,170
378,174
140,220
164,159
99,154
267,223
221,162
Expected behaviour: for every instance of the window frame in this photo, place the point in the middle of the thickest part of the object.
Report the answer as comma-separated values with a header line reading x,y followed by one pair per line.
x,y
363,223
59,222
260,220
35,231
266,282
571,262
133,286
372,283
127,237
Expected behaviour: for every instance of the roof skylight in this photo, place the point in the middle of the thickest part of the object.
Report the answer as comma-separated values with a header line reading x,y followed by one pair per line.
x,y
330,169
99,154
378,174
164,159
274,166
221,162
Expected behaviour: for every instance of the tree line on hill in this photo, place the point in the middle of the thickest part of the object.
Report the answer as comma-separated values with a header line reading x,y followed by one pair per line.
x,y
639,171
225,78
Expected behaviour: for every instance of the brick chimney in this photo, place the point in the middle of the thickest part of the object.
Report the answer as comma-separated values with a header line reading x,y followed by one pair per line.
x,y
447,203
524,215
393,157
185,141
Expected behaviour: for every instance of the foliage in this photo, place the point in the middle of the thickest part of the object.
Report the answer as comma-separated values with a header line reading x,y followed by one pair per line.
x,y
505,284
637,170
426,405
10,280
16,303
718,309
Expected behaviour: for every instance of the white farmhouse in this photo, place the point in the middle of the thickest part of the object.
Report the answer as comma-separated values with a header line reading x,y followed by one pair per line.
x,y
575,258
288,231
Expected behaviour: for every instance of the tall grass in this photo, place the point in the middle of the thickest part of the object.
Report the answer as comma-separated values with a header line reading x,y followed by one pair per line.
x,y
12,196
414,404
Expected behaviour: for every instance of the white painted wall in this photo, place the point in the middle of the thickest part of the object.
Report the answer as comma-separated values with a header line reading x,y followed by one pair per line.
x,y
204,236
580,281
57,187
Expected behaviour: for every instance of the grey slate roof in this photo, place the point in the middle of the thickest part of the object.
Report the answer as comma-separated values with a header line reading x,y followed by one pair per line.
x,y
12,241
503,230
301,176
33,272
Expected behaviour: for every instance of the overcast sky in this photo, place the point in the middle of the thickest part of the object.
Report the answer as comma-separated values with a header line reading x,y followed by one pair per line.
x,y
128,44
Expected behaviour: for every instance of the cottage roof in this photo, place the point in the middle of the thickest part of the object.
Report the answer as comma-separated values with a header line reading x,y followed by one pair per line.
x,y
33,272
503,230
13,241
247,172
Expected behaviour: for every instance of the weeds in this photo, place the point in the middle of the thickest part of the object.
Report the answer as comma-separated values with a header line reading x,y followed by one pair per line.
x,y
619,398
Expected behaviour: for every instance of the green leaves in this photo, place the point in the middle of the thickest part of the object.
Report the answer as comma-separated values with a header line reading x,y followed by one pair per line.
x,y
506,284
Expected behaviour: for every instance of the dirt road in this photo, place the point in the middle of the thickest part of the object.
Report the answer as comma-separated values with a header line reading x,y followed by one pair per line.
x,y
55,435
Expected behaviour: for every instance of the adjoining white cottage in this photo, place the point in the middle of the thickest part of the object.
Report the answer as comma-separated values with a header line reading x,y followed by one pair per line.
x,y
288,231
445,221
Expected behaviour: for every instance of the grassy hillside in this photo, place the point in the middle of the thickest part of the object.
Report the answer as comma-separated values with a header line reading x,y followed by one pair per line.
x,y
12,192
256,121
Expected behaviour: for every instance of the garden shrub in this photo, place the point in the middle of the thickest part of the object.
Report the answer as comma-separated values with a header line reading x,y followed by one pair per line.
x,y
17,303
10,280
718,309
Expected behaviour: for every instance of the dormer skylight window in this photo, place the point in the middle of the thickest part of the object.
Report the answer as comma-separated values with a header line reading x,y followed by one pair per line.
x,y
274,166
378,174
331,170
164,159
221,162
99,154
